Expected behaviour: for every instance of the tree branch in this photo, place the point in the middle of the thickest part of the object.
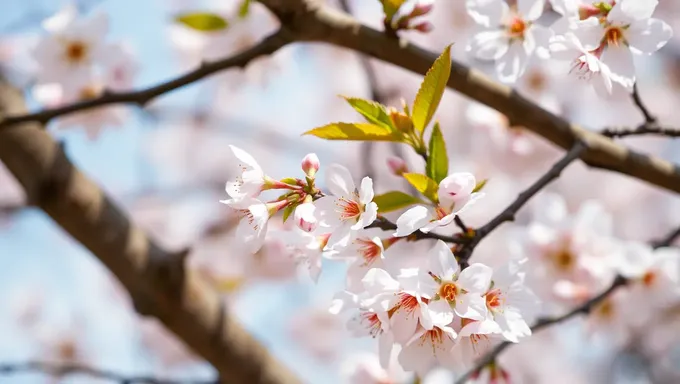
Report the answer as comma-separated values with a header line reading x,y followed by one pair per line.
x,y
668,239
541,324
644,129
141,97
69,369
310,20
156,279
508,214
649,118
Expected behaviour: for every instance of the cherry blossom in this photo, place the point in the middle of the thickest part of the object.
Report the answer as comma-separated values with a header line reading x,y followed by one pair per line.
x,y
455,195
71,47
249,179
450,290
508,35
305,217
428,348
475,338
347,210
627,28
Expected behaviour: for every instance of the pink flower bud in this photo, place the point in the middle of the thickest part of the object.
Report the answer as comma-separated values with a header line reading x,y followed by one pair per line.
x,y
397,165
421,9
588,10
424,27
305,217
310,165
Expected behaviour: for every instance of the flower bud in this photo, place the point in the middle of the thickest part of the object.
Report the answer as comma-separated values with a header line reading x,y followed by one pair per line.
x,y
397,165
424,27
310,165
305,218
589,10
421,9
401,121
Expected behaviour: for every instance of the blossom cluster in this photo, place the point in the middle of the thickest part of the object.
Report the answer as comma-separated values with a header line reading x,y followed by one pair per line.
x,y
75,62
599,38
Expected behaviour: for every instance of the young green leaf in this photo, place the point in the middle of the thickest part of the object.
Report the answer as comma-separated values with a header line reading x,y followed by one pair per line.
x,y
393,200
355,131
203,21
424,185
287,212
437,167
244,8
431,90
373,112
480,185
390,7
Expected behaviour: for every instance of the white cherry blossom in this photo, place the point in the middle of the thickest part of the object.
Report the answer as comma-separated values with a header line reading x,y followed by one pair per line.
x,y
428,348
455,194
347,209
247,178
508,35
71,47
450,290
627,28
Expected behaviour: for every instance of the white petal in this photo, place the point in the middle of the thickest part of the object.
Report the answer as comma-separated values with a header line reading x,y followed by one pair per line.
x,y
244,157
635,259
487,13
339,180
61,19
385,345
541,37
305,217
489,45
441,312
530,9
412,220
327,212
482,327
619,61
589,33
97,27
379,281
648,36
403,325
368,217
455,187
442,262
343,300
565,7
627,11
366,191
476,278
471,306
512,65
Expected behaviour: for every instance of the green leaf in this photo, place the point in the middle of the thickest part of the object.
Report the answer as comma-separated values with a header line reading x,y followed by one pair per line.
x,y
203,21
437,167
431,90
424,185
355,131
287,212
289,180
390,7
391,201
480,185
373,112
244,8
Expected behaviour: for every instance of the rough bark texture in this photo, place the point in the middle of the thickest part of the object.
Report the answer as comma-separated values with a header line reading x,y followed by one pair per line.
x,y
156,280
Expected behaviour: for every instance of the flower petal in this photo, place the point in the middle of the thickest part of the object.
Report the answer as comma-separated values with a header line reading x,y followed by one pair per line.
x,y
530,9
441,312
487,13
442,262
339,181
619,61
628,11
412,220
368,217
471,306
512,64
489,45
648,36
476,278
366,192
589,33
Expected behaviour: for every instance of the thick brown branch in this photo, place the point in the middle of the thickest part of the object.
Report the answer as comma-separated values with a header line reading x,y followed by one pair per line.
x,y
310,20
668,239
74,369
156,280
583,309
141,97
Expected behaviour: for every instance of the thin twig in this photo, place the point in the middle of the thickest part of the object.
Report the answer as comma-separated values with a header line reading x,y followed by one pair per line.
x,y
644,129
508,214
459,222
667,240
143,96
386,225
66,369
649,118
541,324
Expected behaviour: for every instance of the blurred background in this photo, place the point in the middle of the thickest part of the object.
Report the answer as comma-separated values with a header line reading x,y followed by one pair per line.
x,y
166,165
